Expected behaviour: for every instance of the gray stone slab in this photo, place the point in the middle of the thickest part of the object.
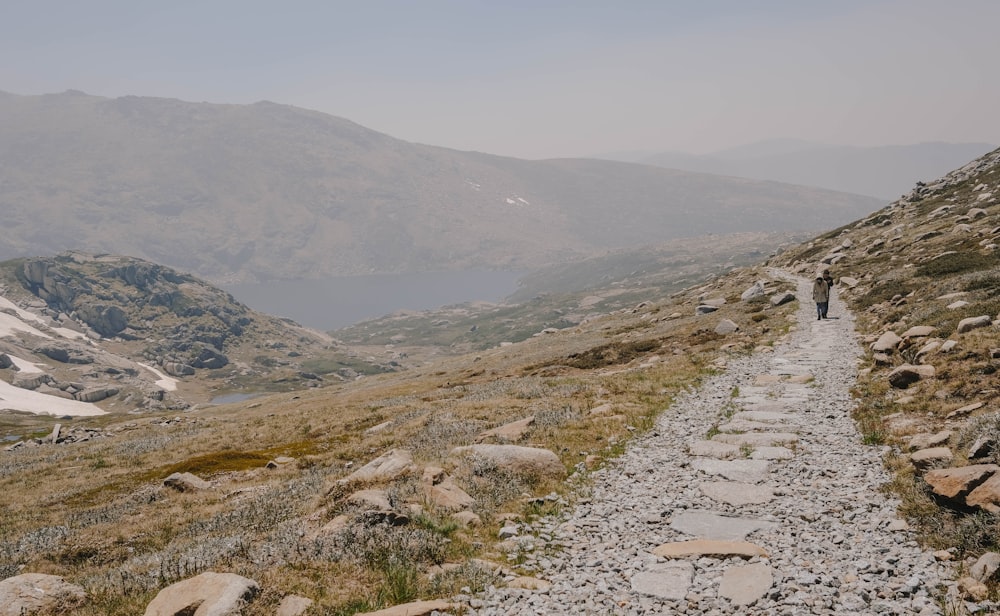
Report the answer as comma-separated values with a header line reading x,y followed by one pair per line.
x,y
667,581
769,406
735,426
714,449
748,471
736,493
709,525
746,584
766,417
757,439
772,453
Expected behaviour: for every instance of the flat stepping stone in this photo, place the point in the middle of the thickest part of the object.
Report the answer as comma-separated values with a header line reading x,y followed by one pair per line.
x,y
670,581
757,439
775,417
715,449
768,379
748,471
769,406
736,493
709,547
746,584
772,453
744,425
708,525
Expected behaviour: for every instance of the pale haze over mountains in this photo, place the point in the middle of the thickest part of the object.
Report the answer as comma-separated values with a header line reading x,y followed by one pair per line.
x,y
240,193
885,172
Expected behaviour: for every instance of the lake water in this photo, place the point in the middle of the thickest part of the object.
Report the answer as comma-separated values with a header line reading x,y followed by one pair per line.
x,y
338,302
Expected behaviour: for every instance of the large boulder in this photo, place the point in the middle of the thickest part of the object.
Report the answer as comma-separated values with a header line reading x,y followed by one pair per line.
x,y
528,461
96,394
5,361
30,380
956,483
726,326
513,431
186,482
174,368
919,331
971,323
907,374
754,292
886,343
208,594
782,298
388,466
38,593
986,495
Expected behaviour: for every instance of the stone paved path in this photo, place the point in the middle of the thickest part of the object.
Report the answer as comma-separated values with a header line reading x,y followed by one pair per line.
x,y
753,495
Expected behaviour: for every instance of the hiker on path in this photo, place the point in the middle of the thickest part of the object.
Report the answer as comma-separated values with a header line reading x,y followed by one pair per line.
x,y
821,295
828,279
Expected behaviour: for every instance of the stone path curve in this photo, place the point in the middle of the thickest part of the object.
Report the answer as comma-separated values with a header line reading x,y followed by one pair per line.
x,y
778,512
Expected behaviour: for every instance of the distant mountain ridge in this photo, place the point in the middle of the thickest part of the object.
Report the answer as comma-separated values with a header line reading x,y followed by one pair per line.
x,y
266,191
885,172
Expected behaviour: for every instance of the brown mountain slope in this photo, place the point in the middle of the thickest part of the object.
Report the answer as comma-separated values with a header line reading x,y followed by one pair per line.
x,y
266,191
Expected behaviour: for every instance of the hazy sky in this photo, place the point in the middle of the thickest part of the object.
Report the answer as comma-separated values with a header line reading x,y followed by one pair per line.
x,y
541,78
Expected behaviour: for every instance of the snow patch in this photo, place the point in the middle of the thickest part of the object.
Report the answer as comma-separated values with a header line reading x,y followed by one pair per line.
x,y
24,366
165,382
10,324
17,399
23,317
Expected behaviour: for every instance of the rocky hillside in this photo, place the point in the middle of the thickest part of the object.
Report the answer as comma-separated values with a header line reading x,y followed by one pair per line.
x,y
259,192
923,275
133,336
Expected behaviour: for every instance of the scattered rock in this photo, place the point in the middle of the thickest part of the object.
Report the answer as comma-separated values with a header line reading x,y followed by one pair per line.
x,y
390,465
907,374
755,291
886,343
926,441
986,496
725,326
467,519
186,482
38,593
973,589
779,299
925,458
964,410
705,309
513,431
293,605
986,567
377,500
957,483
971,323
211,594
919,331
